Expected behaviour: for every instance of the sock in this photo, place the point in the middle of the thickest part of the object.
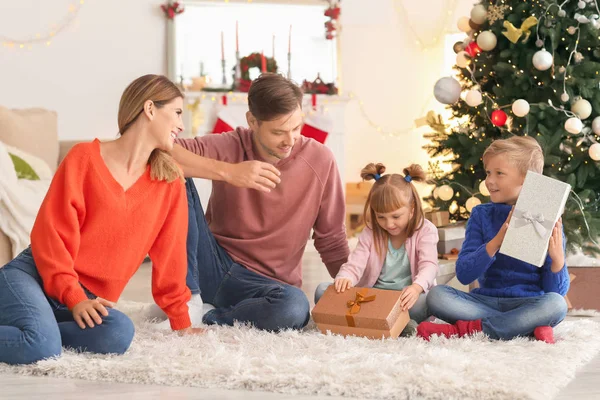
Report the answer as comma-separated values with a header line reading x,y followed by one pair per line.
x,y
460,329
544,333
197,309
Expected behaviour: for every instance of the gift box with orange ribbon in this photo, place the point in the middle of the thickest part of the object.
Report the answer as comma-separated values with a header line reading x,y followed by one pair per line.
x,y
367,312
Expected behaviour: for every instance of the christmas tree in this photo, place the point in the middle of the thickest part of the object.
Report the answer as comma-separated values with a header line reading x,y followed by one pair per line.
x,y
527,68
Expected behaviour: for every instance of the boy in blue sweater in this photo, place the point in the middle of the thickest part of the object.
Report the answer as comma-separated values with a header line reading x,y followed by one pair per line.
x,y
514,298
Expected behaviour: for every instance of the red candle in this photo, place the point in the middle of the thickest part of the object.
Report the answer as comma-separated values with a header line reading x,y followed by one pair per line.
x,y
222,47
263,62
237,42
290,40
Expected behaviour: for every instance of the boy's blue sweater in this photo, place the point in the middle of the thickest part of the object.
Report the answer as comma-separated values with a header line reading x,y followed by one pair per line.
x,y
501,275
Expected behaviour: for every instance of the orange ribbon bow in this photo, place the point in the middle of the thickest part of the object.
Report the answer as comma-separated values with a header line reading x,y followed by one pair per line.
x,y
354,305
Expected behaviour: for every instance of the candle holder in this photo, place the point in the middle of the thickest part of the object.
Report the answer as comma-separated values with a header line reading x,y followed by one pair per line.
x,y
224,80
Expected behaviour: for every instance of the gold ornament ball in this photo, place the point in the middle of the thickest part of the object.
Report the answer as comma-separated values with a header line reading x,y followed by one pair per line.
x,y
486,40
445,192
478,14
463,24
453,207
472,202
483,189
582,108
435,193
573,125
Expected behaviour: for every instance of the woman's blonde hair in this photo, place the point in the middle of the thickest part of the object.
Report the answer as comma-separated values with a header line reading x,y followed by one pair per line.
x,y
524,152
389,193
161,91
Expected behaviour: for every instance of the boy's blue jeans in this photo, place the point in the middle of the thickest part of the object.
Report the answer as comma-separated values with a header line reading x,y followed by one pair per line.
x,y
501,317
34,326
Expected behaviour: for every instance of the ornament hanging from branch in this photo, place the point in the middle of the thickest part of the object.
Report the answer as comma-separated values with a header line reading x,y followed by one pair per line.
x,y
496,13
514,34
172,8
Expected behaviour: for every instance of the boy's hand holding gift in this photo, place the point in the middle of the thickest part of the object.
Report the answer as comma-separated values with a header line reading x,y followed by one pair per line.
x,y
409,296
494,245
555,248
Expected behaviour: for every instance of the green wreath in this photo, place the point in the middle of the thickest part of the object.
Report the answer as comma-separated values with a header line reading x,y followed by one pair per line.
x,y
254,60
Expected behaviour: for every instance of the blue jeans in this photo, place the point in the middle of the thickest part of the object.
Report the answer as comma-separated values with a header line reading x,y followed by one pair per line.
x,y
33,326
501,317
237,293
418,312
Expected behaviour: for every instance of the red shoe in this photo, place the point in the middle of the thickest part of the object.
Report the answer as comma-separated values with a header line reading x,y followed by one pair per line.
x,y
544,333
460,329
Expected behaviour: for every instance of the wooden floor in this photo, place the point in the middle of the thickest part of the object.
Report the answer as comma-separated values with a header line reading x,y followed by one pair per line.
x,y
584,387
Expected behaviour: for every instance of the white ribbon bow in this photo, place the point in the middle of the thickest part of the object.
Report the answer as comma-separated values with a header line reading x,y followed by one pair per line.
x,y
537,220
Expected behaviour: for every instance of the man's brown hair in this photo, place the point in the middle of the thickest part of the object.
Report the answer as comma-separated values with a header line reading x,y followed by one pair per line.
x,y
272,95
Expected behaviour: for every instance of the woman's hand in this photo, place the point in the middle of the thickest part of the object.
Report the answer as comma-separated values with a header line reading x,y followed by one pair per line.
x,y
88,312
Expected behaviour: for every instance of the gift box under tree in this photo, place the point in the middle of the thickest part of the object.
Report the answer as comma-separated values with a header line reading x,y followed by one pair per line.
x,y
367,312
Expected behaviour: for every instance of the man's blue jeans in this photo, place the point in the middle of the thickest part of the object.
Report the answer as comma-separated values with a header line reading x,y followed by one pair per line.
x,y
501,317
34,326
237,293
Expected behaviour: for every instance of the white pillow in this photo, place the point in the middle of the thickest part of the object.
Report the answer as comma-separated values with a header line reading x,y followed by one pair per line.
x,y
41,168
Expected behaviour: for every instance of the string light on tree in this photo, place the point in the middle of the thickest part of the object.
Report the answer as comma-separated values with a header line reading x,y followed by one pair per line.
x,y
471,203
483,189
573,125
473,98
594,151
445,192
520,108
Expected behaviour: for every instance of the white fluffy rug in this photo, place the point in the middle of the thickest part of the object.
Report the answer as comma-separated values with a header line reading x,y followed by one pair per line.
x,y
310,363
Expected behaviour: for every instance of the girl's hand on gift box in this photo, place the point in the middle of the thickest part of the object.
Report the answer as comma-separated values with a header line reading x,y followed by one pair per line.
x,y
555,247
341,284
409,296
494,245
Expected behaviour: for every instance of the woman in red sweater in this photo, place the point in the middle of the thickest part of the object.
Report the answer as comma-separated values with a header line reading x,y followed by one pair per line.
x,y
109,204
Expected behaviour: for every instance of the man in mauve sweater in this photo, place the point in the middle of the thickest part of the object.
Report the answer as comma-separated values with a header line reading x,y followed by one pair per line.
x,y
245,255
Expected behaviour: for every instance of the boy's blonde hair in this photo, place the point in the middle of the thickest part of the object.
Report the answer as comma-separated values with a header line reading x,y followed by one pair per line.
x,y
524,152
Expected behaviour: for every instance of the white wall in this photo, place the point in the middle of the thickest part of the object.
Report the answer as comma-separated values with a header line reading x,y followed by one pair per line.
x,y
82,74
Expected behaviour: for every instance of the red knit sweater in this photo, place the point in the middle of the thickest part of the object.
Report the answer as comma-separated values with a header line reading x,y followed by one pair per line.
x,y
91,232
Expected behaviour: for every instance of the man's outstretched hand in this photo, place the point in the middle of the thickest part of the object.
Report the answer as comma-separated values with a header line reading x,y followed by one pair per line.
x,y
253,175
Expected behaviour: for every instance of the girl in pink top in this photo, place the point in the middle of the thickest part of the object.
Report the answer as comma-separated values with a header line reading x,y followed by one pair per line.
x,y
399,250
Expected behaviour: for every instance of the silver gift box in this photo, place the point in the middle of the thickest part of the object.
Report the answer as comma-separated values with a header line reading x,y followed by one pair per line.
x,y
540,204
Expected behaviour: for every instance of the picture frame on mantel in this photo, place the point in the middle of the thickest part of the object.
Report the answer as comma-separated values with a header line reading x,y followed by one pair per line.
x,y
175,43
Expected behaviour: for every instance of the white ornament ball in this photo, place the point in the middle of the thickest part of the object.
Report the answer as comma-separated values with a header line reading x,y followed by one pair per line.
x,y
447,90
478,14
445,192
463,59
573,125
564,97
596,125
562,13
483,189
435,193
542,60
520,108
594,151
581,4
582,108
472,202
473,98
486,40
463,24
